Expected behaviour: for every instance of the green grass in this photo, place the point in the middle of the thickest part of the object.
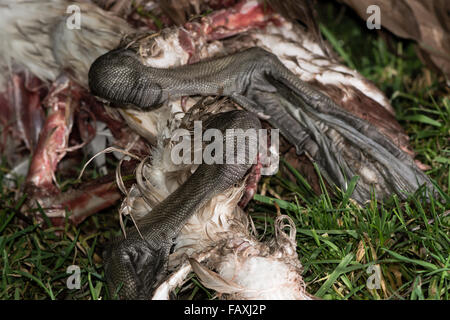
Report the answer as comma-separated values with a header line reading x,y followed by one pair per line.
x,y
338,241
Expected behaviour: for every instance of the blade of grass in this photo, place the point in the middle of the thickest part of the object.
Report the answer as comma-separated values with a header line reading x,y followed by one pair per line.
x,y
334,275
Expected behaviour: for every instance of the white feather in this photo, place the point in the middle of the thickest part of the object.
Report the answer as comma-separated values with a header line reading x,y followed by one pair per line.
x,y
35,37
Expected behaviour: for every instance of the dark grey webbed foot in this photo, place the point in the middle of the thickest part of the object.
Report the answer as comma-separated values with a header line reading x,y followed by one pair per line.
x,y
133,267
341,144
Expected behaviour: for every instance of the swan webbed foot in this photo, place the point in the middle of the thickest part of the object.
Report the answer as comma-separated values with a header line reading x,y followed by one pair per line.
x,y
341,144
133,267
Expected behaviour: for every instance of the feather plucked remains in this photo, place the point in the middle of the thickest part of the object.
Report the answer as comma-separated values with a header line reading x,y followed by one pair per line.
x,y
216,240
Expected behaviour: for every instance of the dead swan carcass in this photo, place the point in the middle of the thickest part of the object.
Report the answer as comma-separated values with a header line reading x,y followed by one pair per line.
x,y
260,83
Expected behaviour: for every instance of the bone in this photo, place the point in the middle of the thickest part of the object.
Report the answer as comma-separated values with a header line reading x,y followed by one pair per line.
x,y
53,139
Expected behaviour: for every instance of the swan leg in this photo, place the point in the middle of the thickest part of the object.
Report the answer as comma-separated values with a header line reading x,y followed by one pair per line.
x,y
139,261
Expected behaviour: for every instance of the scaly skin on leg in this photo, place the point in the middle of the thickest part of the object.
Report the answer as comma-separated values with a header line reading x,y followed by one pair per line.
x,y
259,82
138,261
